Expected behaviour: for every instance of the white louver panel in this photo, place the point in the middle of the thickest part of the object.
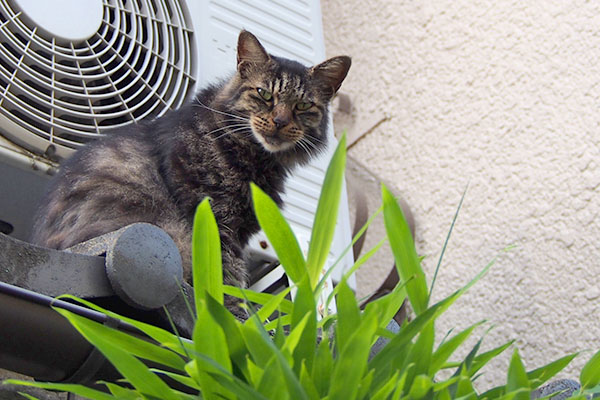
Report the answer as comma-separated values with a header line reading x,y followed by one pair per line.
x,y
72,69
289,29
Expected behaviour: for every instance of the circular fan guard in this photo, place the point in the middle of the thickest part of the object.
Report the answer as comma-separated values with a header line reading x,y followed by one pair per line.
x,y
57,94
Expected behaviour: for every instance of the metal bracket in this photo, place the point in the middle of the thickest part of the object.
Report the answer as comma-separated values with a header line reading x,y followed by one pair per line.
x,y
139,263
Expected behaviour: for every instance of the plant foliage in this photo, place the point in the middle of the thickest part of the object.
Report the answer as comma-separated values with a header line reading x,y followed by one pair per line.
x,y
303,354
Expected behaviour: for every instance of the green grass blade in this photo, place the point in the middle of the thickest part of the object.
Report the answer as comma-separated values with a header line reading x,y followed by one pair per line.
x,y
421,352
79,390
292,340
352,362
517,377
539,376
121,392
348,315
206,254
437,268
405,255
308,384
272,305
285,305
260,347
386,390
239,388
590,373
359,263
402,382
130,367
481,360
233,335
326,214
389,353
366,387
323,366
304,305
282,320
179,345
360,232
209,337
272,384
447,348
182,379
224,378
421,385
126,342
389,304
293,384
279,233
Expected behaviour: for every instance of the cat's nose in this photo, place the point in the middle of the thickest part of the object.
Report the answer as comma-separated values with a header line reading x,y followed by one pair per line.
x,y
281,116
280,122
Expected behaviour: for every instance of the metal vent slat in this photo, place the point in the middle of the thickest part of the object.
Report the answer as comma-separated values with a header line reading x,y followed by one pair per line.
x,y
140,63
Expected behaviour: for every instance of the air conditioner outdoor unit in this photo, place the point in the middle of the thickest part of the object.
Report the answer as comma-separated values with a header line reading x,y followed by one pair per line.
x,y
72,70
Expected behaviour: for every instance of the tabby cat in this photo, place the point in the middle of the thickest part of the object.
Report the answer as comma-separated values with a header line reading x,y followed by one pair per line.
x,y
268,118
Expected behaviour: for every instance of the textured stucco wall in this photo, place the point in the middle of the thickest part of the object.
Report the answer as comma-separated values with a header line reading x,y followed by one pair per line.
x,y
504,96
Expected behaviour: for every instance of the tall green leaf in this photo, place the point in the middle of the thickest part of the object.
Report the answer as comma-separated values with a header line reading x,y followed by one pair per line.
x,y
421,352
352,361
272,384
209,337
166,338
127,342
590,373
79,390
206,254
348,315
357,264
447,348
279,233
292,340
398,344
323,366
517,377
405,255
130,367
421,385
326,214
231,329
272,305
541,375
481,360
305,305
437,267
387,389
308,384
285,305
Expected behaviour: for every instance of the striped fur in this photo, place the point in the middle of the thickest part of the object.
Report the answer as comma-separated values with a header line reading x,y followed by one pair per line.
x,y
228,136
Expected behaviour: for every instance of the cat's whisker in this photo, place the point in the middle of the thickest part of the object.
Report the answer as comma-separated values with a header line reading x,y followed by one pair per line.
x,y
240,129
229,114
232,120
307,143
303,146
227,127
317,140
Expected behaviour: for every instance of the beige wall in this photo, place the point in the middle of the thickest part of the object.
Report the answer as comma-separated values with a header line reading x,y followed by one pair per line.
x,y
504,96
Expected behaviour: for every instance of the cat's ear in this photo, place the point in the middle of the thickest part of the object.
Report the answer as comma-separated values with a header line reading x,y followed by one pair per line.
x,y
250,51
331,73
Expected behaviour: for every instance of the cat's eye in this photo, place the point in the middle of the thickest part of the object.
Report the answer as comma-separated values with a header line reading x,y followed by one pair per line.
x,y
303,106
265,94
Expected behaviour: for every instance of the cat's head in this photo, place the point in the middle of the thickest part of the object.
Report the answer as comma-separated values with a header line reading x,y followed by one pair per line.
x,y
286,102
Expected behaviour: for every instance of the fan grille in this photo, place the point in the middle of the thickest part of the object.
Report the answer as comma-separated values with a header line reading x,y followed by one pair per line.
x,y
140,63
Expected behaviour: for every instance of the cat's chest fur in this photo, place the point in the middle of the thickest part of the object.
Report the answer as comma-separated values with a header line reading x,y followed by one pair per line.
x,y
198,164
269,117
